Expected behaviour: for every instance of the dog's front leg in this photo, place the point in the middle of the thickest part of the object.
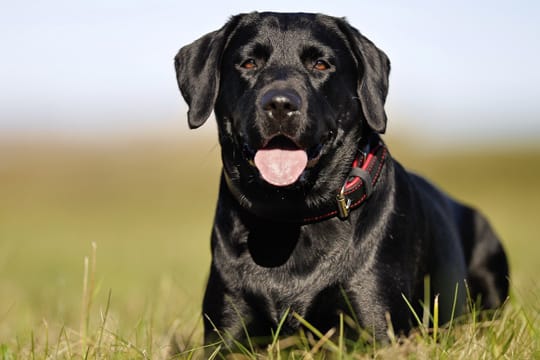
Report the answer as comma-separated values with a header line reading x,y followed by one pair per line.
x,y
225,313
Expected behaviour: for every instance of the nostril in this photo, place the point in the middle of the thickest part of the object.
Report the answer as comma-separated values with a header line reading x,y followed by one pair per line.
x,y
290,106
272,104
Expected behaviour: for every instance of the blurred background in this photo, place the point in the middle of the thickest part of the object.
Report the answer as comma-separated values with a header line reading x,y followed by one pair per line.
x,y
94,144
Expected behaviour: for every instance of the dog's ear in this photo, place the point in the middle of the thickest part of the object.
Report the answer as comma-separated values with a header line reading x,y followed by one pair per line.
x,y
198,72
373,72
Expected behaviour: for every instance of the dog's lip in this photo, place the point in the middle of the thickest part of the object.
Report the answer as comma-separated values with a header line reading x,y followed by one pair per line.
x,y
314,154
284,142
281,142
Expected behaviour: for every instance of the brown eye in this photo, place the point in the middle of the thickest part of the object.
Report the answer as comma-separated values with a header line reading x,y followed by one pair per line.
x,y
249,64
321,65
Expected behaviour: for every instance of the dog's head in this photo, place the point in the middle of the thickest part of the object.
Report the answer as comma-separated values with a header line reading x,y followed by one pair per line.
x,y
293,95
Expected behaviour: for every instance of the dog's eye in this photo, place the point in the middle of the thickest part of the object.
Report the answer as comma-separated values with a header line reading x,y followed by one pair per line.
x,y
321,65
249,64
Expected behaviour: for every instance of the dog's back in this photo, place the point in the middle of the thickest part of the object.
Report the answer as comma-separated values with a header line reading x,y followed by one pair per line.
x,y
476,249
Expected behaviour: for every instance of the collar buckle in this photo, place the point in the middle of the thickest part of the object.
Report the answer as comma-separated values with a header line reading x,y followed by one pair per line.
x,y
343,204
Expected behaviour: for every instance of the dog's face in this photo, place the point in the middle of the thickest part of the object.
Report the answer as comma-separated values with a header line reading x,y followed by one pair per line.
x,y
293,95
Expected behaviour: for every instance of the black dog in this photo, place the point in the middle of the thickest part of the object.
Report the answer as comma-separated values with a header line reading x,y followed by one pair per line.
x,y
314,215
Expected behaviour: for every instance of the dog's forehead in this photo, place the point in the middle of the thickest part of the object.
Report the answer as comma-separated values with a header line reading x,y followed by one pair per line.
x,y
284,30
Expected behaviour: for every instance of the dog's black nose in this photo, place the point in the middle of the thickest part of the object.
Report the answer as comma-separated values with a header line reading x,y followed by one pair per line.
x,y
281,104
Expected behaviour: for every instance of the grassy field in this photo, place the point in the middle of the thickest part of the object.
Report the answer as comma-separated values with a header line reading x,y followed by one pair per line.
x,y
147,205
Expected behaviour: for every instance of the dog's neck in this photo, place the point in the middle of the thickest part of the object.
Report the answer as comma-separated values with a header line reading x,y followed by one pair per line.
x,y
355,191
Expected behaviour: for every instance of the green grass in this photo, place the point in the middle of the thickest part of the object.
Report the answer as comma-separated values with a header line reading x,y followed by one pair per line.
x,y
148,206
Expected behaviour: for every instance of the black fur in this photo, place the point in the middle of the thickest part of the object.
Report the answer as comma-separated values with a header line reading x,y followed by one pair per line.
x,y
333,84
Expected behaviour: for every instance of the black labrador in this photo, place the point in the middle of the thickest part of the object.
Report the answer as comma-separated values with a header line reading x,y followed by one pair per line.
x,y
314,216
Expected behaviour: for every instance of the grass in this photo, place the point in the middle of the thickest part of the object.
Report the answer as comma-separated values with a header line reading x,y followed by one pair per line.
x,y
148,207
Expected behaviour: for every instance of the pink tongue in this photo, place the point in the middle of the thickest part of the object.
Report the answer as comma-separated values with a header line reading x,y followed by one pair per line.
x,y
281,167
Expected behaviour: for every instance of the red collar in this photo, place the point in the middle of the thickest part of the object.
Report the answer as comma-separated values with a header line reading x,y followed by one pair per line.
x,y
363,176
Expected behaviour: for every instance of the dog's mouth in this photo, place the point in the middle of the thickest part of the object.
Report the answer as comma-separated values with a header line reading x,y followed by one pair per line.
x,y
281,161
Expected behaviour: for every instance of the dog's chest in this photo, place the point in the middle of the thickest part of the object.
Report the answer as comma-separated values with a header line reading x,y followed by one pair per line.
x,y
279,267
277,291
314,272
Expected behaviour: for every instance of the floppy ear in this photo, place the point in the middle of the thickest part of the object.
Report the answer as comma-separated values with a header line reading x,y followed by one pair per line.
x,y
372,79
198,72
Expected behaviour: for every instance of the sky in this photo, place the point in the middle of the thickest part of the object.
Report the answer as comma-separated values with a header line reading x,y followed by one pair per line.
x,y
461,70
